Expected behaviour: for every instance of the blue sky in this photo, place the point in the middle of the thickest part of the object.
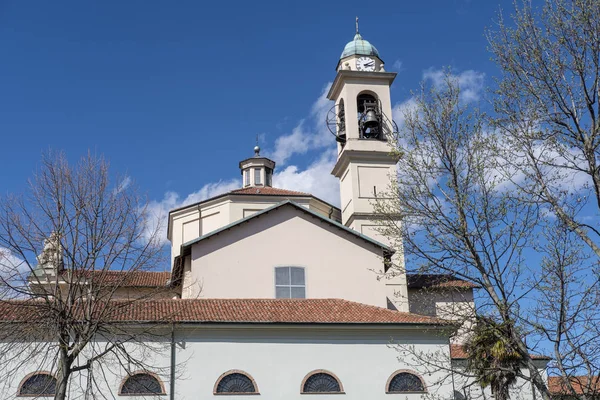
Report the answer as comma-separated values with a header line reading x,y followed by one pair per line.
x,y
174,93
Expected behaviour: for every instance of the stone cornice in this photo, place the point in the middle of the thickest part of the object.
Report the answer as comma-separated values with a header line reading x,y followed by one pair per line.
x,y
345,75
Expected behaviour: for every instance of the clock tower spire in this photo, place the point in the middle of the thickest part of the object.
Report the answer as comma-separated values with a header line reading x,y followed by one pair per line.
x,y
361,122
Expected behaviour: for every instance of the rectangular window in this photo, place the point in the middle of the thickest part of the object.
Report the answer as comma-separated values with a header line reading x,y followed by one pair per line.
x,y
269,178
289,283
246,177
257,176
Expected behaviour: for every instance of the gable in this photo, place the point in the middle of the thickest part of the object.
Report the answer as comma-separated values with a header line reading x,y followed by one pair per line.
x,y
239,262
276,208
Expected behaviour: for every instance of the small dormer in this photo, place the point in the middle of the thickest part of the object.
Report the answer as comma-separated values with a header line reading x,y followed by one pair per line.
x,y
257,170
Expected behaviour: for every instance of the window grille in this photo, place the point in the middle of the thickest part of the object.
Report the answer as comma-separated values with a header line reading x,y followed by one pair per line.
x,y
290,283
405,382
141,384
321,382
235,382
39,384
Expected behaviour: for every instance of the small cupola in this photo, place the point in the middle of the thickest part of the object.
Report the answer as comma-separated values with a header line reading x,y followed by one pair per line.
x,y
257,170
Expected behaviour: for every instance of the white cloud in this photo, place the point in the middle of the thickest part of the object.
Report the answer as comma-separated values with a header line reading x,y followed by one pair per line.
x,y
13,273
400,109
316,179
123,184
158,210
470,82
397,66
309,134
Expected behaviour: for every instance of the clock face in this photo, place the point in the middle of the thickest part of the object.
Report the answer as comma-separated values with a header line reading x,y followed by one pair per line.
x,y
365,64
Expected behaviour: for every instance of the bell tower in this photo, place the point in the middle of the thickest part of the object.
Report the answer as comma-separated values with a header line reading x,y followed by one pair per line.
x,y
361,122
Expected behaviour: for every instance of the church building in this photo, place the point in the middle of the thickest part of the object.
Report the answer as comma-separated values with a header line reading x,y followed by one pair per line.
x,y
279,294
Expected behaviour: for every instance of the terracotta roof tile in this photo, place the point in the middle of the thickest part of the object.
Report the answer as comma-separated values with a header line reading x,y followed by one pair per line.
x,y
268,191
272,311
126,278
558,385
420,281
458,352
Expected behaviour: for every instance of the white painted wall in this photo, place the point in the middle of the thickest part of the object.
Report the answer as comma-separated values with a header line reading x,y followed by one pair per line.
x,y
241,262
198,220
446,303
278,358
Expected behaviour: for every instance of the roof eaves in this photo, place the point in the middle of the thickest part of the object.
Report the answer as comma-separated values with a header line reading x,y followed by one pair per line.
x,y
232,193
299,207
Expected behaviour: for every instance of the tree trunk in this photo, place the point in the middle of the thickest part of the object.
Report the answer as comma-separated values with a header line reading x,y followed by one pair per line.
x,y
62,376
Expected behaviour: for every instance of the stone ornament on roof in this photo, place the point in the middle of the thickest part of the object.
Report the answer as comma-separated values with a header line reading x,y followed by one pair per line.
x,y
50,260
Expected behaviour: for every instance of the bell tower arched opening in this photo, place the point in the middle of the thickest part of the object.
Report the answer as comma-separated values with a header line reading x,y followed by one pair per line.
x,y
370,122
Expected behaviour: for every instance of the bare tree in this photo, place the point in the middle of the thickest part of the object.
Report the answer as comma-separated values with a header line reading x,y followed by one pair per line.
x,y
70,246
564,314
548,108
548,112
459,217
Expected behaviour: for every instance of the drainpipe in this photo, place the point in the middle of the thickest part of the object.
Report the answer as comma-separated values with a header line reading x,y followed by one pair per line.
x,y
451,369
172,380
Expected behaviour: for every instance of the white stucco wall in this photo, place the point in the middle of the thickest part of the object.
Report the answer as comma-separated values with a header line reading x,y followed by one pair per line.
x,y
449,303
197,220
278,358
240,262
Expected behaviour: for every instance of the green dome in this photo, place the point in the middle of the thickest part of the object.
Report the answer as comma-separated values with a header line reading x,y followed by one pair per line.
x,y
360,47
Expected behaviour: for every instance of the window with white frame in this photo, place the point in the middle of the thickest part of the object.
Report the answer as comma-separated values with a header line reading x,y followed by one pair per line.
x,y
290,283
247,178
257,176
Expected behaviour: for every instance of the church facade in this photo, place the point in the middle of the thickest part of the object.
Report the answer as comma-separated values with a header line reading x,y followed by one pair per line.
x,y
280,294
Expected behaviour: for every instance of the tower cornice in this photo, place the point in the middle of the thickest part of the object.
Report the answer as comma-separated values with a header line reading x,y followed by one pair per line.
x,y
346,75
371,156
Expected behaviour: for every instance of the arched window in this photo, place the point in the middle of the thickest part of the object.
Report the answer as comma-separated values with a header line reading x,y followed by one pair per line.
x,y
235,382
459,396
41,384
142,383
403,382
369,118
321,382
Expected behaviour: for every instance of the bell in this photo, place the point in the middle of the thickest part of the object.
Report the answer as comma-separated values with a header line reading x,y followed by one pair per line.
x,y
371,120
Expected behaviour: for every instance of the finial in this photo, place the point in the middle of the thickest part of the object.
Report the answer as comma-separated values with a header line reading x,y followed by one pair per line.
x,y
357,25
256,148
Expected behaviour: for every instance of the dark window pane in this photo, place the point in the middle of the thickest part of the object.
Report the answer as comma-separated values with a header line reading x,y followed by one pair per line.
x,y
40,384
269,173
236,383
405,382
297,276
298,293
282,292
321,383
282,276
141,384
